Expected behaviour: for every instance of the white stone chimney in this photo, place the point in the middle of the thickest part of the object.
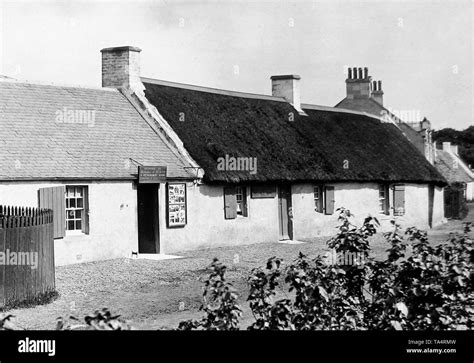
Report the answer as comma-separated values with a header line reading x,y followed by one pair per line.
x,y
121,68
288,87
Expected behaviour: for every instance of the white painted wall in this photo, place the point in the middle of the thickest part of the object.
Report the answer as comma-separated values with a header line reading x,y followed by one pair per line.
x,y
207,226
438,207
470,191
362,200
113,217
112,220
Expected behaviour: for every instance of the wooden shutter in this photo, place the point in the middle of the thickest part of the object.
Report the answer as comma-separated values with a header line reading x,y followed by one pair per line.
x,y
399,200
245,212
230,203
85,220
329,200
54,198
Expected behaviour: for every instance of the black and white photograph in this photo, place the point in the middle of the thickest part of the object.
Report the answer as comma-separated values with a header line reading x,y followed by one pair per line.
x,y
249,179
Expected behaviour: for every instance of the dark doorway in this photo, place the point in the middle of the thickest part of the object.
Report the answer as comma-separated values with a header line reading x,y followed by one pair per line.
x,y
148,231
285,214
430,204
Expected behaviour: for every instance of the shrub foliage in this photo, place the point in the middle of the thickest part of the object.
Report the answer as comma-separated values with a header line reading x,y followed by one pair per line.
x,y
418,286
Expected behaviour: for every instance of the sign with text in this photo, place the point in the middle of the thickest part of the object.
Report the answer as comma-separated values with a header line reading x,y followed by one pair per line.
x,y
151,174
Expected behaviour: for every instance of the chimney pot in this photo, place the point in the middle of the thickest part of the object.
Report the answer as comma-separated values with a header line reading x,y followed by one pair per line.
x,y
349,73
366,72
379,88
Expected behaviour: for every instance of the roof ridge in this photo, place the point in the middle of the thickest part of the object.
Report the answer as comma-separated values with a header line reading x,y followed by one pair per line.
x,y
64,85
336,109
212,90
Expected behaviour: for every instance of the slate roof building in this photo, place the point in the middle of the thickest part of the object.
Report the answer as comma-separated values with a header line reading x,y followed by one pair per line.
x,y
240,168
454,169
366,95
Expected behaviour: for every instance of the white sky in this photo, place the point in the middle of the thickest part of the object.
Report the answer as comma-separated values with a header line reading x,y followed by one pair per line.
x,y
421,50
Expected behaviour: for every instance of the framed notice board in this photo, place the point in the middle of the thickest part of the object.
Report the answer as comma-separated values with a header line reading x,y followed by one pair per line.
x,y
176,205
263,191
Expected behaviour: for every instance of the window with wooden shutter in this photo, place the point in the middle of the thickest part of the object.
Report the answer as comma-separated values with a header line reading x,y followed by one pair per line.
x,y
77,208
241,200
230,203
329,200
53,198
384,200
398,200
318,199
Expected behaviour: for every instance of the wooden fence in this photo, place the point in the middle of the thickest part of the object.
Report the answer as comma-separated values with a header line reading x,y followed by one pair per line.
x,y
26,253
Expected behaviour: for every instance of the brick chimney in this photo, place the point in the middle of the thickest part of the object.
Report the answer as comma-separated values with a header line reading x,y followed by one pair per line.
x,y
288,87
121,68
358,83
377,93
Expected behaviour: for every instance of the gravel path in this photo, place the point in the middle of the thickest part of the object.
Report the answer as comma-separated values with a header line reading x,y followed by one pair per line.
x,y
148,293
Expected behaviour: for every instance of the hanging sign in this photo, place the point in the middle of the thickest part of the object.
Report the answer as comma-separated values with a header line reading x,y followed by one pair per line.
x,y
151,174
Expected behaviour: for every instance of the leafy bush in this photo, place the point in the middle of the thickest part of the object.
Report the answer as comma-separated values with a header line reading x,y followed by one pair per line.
x,y
100,320
220,303
417,287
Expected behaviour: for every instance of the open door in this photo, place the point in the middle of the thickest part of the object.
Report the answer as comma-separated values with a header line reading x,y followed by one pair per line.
x,y
148,228
285,215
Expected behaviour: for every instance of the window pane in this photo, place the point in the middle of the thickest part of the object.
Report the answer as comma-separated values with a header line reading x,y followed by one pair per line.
x,y
72,203
78,191
70,192
80,203
70,225
70,214
78,225
78,214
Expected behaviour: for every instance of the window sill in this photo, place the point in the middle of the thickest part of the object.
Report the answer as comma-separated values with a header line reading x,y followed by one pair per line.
x,y
75,233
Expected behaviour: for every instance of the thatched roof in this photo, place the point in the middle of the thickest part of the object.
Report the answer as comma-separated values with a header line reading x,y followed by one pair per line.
x,y
371,106
309,148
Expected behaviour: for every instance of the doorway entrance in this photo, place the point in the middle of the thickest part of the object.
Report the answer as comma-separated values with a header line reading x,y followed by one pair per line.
x,y
430,204
148,227
285,218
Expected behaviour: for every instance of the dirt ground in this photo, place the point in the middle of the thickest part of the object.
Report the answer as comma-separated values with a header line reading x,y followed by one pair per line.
x,y
159,294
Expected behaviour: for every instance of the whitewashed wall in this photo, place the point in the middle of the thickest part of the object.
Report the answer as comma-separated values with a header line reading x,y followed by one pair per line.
x,y
113,217
112,220
362,200
207,226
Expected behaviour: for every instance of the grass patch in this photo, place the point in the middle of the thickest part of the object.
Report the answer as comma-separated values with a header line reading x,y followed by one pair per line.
x,y
40,299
